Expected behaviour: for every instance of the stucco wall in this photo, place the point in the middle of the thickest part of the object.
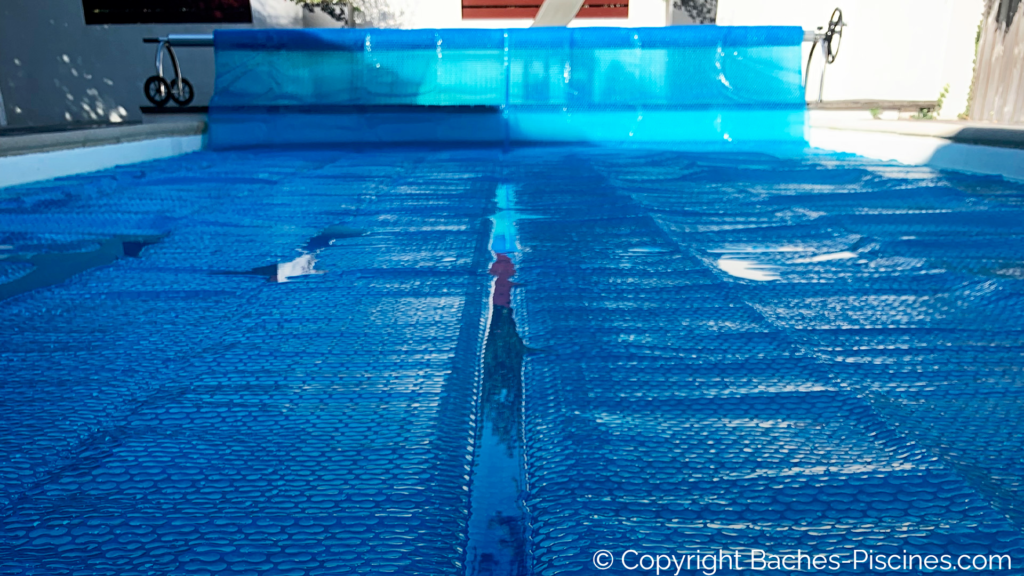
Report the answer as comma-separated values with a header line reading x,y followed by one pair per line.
x,y
54,68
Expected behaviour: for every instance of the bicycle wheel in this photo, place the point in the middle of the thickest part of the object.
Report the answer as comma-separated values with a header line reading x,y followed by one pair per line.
x,y
187,94
157,90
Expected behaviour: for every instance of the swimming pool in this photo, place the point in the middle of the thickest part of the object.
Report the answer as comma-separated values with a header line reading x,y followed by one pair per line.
x,y
185,409
510,358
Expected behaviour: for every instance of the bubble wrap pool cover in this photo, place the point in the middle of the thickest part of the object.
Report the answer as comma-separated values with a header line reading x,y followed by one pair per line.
x,y
163,416
682,83
167,414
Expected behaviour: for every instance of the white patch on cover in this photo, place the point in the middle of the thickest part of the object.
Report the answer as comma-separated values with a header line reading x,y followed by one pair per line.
x,y
301,266
826,257
747,269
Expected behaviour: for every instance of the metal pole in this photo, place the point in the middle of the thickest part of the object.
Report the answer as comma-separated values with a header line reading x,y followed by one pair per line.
x,y
177,69
824,66
160,58
190,39
3,113
807,69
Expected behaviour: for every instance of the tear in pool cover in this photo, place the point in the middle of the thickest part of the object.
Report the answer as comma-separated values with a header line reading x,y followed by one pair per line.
x,y
498,524
303,265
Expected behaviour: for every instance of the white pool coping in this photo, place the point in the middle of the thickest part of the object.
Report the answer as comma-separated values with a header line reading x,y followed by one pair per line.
x,y
930,151
32,157
37,166
38,157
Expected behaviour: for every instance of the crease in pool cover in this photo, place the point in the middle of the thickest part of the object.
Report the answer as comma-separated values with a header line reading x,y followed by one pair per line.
x,y
498,524
49,269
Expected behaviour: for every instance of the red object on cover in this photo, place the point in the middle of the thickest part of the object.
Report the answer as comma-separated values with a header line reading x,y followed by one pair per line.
x,y
504,269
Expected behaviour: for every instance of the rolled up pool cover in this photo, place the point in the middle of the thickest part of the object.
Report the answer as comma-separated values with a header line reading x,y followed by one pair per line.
x,y
680,84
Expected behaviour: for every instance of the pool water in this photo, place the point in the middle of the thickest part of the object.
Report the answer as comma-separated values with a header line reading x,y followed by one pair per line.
x,y
327,361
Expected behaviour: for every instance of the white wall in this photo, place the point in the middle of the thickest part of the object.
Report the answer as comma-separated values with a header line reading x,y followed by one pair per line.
x,y
275,14
892,49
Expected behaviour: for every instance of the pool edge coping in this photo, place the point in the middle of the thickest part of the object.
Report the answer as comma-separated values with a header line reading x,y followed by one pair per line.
x,y
39,166
928,151
23,144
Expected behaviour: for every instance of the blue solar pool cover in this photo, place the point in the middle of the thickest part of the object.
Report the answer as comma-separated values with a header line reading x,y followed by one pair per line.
x,y
624,85
309,361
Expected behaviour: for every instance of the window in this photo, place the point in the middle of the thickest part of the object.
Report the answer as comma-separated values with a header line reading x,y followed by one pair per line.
x,y
166,11
528,9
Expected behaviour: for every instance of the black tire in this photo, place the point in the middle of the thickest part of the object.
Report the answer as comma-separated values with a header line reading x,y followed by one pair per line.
x,y
187,93
157,91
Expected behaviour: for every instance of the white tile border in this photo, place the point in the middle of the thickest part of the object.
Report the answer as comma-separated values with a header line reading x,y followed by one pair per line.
x,y
913,150
930,151
26,168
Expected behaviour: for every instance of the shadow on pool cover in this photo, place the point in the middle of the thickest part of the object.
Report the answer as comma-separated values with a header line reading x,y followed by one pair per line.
x,y
55,267
498,534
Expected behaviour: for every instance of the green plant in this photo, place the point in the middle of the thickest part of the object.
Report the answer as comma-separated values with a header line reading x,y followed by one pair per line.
x,y
876,113
966,114
932,113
